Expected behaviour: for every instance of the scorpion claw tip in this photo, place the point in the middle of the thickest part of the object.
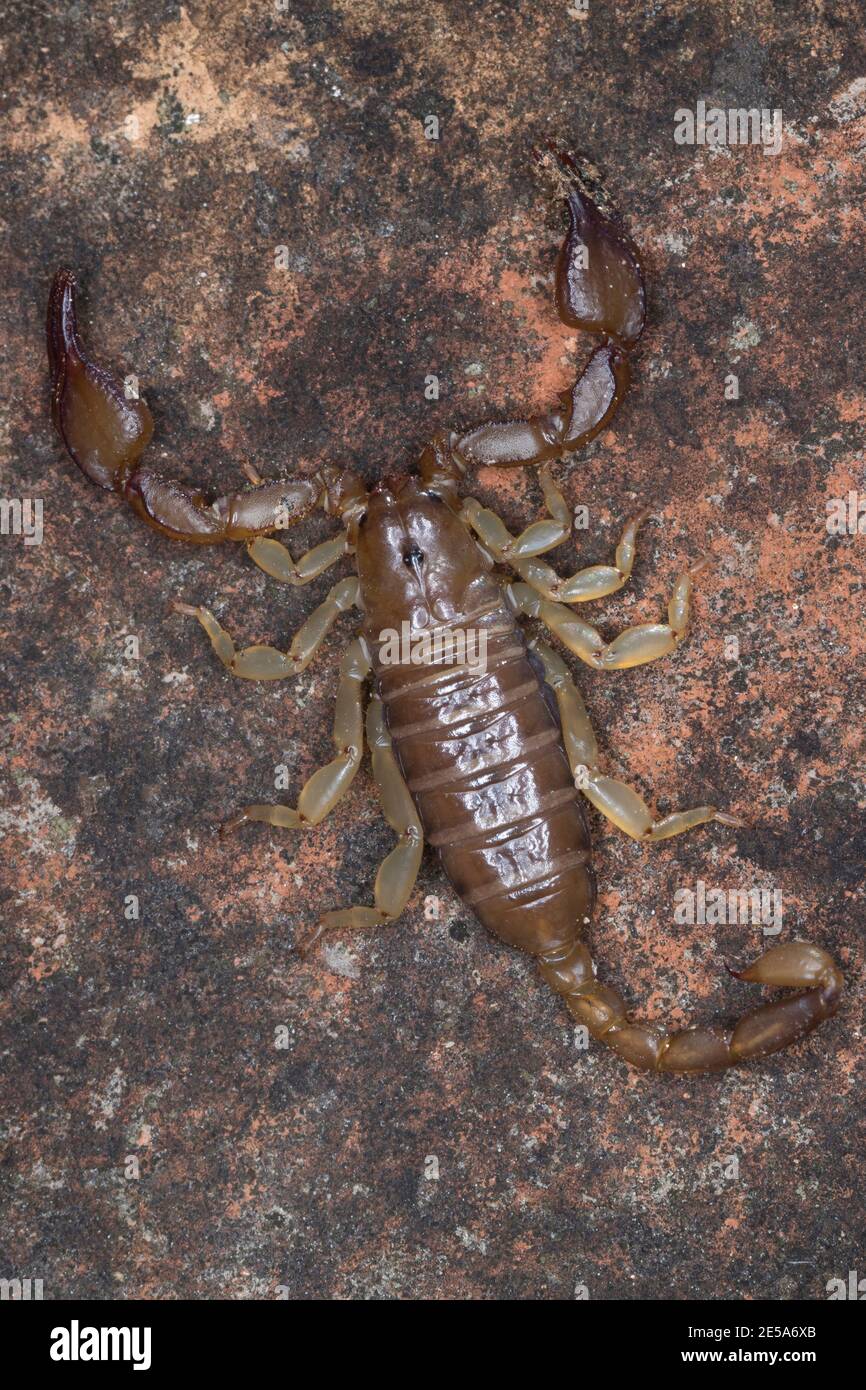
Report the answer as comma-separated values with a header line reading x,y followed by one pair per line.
x,y
306,944
251,473
701,565
226,827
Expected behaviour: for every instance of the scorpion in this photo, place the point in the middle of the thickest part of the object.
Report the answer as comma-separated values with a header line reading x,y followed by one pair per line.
x,y
483,761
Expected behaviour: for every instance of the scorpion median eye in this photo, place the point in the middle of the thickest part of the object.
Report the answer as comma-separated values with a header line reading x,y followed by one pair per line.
x,y
413,556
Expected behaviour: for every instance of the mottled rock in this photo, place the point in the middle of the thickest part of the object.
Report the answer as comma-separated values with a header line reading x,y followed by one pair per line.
x,y
268,240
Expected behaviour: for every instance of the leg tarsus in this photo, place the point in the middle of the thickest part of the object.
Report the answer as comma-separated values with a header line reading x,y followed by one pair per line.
x,y
329,784
285,817
398,872
634,646
268,663
615,800
251,473
356,918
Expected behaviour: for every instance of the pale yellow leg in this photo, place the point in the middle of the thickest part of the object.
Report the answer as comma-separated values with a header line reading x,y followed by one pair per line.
x,y
261,663
596,581
325,788
622,806
397,874
276,559
538,538
632,647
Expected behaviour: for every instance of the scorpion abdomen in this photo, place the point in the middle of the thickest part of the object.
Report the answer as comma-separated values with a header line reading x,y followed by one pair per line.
x,y
481,751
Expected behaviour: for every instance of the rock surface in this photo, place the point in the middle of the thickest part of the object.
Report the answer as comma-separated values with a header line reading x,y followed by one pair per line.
x,y
429,1127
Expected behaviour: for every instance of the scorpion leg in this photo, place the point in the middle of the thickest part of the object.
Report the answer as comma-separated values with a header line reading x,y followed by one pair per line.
x,y
261,663
634,646
595,581
320,794
536,539
398,872
276,560
616,801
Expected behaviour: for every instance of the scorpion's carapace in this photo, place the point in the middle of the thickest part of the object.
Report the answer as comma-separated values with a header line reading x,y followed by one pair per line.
x,y
484,757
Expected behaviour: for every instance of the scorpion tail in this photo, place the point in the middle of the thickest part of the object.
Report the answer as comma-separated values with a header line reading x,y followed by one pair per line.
x,y
794,965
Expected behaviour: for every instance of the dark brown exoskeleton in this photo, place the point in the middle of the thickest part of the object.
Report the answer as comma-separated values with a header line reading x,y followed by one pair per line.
x,y
479,741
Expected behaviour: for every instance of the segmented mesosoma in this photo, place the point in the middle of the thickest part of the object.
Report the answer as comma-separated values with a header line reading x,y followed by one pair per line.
x,y
484,760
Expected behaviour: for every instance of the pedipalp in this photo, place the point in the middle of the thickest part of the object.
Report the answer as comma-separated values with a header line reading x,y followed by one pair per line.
x,y
599,289
106,432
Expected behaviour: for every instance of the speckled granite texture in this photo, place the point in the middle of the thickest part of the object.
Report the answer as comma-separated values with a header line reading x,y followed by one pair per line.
x,y
430,1130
